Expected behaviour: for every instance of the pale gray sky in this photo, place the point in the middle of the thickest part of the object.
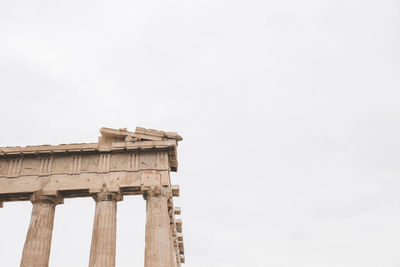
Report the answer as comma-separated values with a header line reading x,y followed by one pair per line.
x,y
289,111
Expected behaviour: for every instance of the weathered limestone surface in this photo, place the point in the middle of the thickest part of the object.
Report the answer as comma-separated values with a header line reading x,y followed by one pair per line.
x,y
38,240
158,250
120,163
102,252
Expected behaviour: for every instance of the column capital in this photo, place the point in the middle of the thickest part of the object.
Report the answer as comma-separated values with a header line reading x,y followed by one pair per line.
x,y
43,198
156,191
177,210
107,196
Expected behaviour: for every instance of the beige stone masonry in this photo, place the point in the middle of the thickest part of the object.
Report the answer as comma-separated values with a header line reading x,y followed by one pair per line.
x,y
121,163
103,249
158,247
38,240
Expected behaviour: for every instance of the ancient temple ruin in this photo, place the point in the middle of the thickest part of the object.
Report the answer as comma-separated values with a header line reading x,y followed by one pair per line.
x,y
120,163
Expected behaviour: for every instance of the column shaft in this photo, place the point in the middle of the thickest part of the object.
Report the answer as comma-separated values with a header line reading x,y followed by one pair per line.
x,y
38,240
158,232
103,249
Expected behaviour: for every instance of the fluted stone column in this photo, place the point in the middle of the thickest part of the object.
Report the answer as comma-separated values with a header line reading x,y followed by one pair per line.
x,y
173,255
158,248
102,252
38,240
172,235
177,257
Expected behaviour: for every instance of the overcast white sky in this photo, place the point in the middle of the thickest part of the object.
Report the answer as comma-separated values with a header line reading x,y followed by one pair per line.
x,y
289,111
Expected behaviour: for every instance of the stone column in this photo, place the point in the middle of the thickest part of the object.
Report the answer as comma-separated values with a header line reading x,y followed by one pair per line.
x,y
173,254
158,248
38,240
172,231
102,252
